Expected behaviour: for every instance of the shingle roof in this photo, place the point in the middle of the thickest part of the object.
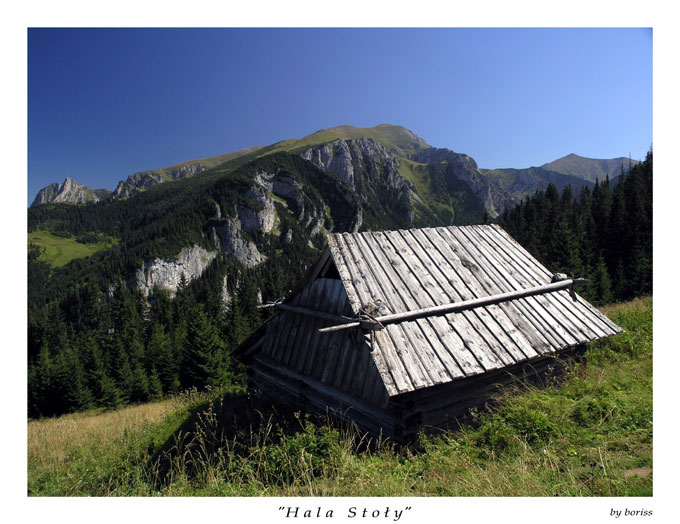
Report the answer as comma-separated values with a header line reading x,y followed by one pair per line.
x,y
418,268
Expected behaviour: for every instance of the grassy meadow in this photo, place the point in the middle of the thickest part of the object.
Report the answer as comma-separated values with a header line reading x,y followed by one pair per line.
x,y
588,433
58,251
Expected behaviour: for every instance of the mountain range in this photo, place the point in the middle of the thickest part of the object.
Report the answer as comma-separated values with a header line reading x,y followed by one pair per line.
x,y
431,181
266,208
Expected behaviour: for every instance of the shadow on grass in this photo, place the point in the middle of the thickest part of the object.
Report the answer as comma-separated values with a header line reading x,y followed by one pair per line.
x,y
248,437
251,439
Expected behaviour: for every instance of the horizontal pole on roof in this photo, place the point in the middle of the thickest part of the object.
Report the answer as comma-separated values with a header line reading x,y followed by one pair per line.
x,y
461,306
317,314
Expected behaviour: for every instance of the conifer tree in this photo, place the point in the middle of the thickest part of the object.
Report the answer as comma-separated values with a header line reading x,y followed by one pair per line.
x,y
139,390
40,383
155,386
122,371
205,361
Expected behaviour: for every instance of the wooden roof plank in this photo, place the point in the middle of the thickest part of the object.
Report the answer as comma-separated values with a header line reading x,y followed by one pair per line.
x,y
455,288
385,347
468,287
401,335
588,317
422,334
413,375
435,329
528,263
508,330
465,253
497,266
572,322
341,265
442,293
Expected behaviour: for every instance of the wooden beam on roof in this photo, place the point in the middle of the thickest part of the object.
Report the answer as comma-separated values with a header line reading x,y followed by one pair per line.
x,y
462,306
323,315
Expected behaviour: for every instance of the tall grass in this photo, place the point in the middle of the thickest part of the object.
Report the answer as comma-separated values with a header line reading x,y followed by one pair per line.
x,y
588,434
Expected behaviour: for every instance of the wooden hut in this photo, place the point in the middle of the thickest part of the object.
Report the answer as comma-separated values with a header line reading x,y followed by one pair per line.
x,y
403,330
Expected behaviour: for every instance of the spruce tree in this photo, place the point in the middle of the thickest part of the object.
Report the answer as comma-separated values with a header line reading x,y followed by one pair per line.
x,y
205,362
155,386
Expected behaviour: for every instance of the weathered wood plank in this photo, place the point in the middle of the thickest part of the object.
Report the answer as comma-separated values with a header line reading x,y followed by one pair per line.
x,y
313,313
563,313
519,314
291,326
442,292
498,269
550,315
423,338
386,349
467,324
468,288
270,335
355,378
453,351
526,265
332,301
530,265
511,319
434,329
303,348
339,258
405,346
509,332
466,250
335,342
322,396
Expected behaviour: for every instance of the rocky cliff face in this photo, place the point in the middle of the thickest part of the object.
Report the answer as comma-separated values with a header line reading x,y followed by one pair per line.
x,y
463,167
365,166
71,192
138,182
349,159
227,238
166,273
260,192
46,194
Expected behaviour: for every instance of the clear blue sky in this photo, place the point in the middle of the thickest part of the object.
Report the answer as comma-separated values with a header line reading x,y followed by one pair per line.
x,y
104,103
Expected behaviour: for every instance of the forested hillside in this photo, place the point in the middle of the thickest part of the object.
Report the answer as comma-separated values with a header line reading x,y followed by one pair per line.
x,y
604,234
96,340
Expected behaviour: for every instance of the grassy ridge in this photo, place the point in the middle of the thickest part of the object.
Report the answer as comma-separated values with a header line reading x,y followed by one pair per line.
x,y
586,434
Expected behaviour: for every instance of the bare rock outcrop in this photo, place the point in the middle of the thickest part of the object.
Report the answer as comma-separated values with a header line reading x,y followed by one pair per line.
x,y
71,192
264,218
167,273
227,238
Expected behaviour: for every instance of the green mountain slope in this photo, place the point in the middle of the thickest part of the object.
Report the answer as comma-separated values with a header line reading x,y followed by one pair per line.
x,y
590,169
396,139
138,182
384,166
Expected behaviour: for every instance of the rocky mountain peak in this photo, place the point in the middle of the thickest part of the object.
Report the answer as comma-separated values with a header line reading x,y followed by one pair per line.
x,y
71,192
